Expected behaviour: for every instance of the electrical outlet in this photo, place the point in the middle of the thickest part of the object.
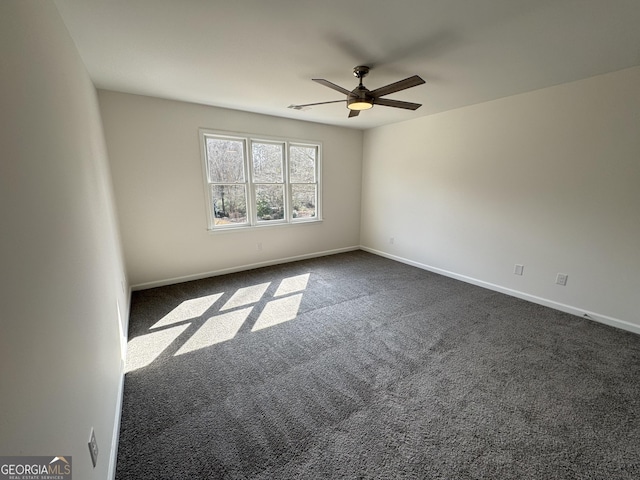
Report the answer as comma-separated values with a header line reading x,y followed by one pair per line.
x,y
518,269
93,448
561,279
259,246
392,240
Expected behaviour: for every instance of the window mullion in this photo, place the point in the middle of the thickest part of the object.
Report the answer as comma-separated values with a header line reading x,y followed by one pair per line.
x,y
251,191
286,180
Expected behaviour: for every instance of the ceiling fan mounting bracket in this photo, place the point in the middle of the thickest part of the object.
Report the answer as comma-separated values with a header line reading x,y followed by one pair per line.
x,y
360,71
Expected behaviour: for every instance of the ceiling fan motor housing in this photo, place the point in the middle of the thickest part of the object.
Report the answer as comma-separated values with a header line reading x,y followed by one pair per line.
x,y
359,99
360,93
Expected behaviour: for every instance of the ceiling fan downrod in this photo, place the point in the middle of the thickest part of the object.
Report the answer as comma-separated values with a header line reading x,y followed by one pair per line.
x,y
360,72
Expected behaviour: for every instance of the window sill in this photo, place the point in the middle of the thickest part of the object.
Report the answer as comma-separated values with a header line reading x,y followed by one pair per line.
x,y
249,228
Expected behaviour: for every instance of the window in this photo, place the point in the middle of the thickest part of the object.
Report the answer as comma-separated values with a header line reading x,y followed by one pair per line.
x,y
260,181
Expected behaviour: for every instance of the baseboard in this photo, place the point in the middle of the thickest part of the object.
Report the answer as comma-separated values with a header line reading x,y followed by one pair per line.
x,y
124,328
241,268
113,456
614,322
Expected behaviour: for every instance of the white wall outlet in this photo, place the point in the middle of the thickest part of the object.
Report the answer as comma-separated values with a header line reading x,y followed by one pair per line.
x,y
518,269
561,279
392,240
93,448
259,246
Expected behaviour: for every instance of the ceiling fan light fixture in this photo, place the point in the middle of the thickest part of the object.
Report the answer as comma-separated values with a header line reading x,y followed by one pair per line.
x,y
359,104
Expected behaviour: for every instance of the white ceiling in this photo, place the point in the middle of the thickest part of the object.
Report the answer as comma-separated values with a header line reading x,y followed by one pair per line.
x,y
260,55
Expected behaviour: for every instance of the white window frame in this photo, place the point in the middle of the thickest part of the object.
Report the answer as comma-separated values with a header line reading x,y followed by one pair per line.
x,y
252,217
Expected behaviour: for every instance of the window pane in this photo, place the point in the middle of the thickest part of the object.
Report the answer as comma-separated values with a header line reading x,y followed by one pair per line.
x,y
229,204
270,202
303,199
225,160
302,164
267,162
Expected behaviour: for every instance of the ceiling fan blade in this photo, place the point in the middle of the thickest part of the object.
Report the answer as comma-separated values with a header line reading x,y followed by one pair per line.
x,y
312,104
327,83
397,86
396,103
354,113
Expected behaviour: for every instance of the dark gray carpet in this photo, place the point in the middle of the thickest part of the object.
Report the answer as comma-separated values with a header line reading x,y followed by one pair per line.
x,y
387,372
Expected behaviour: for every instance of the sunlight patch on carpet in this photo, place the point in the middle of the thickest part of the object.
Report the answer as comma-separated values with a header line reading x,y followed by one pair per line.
x,y
292,285
278,311
188,310
245,296
143,350
225,323
216,330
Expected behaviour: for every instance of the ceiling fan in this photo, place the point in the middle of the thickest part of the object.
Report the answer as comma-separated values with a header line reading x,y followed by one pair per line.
x,y
361,98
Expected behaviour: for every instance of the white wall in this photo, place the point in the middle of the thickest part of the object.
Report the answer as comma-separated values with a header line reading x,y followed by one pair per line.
x,y
154,151
60,358
548,179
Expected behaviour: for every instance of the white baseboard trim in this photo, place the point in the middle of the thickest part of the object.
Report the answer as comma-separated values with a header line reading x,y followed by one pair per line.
x,y
124,326
113,456
614,322
241,268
